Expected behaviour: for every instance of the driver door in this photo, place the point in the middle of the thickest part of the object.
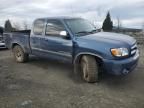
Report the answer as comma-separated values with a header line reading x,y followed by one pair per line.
x,y
53,44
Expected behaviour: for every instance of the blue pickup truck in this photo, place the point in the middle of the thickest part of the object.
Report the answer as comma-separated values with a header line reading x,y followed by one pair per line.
x,y
77,41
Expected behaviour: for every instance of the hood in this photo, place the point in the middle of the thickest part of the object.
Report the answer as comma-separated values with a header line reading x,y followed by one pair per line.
x,y
113,38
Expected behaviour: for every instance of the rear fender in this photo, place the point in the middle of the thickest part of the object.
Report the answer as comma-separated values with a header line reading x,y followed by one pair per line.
x,y
14,44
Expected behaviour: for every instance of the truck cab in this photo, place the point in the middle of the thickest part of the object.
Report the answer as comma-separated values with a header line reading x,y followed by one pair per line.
x,y
77,41
51,38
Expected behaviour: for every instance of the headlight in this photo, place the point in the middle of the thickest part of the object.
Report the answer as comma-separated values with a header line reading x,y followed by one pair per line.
x,y
119,52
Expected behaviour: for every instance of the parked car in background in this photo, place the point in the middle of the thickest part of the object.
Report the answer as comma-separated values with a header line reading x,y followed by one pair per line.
x,y
77,41
2,43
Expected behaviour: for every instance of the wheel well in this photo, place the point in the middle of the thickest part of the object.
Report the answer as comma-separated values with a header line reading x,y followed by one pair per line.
x,y
14,44
98,59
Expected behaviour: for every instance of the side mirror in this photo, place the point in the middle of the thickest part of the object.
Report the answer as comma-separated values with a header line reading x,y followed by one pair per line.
x,y
63,33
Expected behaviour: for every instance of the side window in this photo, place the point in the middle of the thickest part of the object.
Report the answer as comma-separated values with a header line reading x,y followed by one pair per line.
x,y
39,27
54,27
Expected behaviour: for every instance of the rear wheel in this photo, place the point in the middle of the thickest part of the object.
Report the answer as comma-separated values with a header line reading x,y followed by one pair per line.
x,y
89,68
19,54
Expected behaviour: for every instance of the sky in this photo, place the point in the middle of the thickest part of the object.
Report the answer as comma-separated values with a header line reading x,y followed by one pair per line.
x,y
130,12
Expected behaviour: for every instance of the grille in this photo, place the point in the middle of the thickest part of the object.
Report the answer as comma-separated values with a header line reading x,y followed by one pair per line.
x,y
133,49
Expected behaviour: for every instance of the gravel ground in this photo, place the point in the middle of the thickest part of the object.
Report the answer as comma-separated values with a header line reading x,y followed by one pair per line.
x,y
44,83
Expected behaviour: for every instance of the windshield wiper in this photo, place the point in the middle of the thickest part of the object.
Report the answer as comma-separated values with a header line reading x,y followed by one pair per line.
x,y
82,32
87,32
93,31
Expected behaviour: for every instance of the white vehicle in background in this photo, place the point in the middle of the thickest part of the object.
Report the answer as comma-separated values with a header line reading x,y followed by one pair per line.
x,y
2,43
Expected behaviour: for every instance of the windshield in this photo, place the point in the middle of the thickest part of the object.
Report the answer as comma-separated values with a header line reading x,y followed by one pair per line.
x,y
80,26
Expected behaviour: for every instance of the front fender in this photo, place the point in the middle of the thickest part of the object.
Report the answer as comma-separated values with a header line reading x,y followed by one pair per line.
x,y
78,56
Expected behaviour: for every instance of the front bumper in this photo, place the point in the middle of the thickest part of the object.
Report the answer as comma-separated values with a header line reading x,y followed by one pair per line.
x,y
120,67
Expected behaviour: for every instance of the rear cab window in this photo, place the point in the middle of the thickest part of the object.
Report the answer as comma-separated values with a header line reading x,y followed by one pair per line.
x,y
39,26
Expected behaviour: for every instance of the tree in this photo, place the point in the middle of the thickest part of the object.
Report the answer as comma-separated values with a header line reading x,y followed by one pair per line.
x,y
8,26
25,25
1,30
107,24
16,26
119,24
143,26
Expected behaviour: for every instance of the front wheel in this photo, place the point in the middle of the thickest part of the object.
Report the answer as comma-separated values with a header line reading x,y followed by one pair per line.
x,y
89,68
19,54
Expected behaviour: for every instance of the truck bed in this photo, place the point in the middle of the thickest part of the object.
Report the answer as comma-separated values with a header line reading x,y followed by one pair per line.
x,y
20,37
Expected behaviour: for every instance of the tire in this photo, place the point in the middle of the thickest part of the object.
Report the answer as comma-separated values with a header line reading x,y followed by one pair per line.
x,y
19,55
89,69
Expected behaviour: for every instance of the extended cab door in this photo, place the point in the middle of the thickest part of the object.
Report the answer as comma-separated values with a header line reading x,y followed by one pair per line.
x,y
53,44
36,33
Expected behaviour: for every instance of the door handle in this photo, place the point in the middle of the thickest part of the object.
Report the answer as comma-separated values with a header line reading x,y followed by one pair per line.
x,y
38,37
46,39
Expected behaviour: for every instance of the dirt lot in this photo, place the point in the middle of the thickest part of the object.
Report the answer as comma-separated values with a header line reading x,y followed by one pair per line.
x,y
45,84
